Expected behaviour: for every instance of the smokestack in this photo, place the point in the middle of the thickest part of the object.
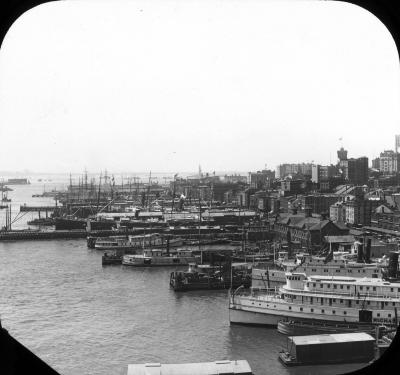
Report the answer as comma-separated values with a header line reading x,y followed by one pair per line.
x,y
360,256
368,251
393,263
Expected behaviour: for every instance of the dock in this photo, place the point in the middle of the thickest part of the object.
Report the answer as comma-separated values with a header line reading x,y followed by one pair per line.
x,y
24,235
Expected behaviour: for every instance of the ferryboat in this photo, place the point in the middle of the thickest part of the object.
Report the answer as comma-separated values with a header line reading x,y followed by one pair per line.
x,y
157,258
153,240
267,276
322,298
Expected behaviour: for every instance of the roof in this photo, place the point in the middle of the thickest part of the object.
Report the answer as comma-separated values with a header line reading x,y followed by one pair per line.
x,y
331,338
206,368
340,239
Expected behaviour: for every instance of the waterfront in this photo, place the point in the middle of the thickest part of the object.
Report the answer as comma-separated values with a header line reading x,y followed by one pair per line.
x,y
83,318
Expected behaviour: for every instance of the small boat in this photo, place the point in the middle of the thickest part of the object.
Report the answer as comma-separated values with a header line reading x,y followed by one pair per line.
x,y
158,258
112,257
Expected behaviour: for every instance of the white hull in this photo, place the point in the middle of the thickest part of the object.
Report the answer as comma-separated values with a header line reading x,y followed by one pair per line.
x,y
252,318
159,262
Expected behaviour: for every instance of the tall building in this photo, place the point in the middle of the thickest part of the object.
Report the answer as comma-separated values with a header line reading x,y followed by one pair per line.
x,y
397,143
389,162
342,154
357,170
376,163
322,173
284,170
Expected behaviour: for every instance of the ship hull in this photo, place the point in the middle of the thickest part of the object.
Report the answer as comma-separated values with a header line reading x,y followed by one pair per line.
x,y
245,317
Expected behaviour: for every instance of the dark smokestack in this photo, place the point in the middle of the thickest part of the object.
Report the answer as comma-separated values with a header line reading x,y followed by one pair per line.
x,y
168,246
368,251
393,263
360,255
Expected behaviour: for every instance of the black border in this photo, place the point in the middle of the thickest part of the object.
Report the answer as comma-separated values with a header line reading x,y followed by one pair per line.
x,y
387,11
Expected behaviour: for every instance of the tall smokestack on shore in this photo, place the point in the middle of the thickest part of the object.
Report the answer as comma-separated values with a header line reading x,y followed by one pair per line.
x,y
393,263
360,255
367,255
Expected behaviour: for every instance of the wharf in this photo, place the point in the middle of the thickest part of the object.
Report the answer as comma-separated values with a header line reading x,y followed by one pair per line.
x,y
25,208
61,234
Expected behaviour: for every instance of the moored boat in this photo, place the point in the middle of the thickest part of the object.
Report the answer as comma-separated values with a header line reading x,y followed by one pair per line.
x,y
158,258
322,298
205,276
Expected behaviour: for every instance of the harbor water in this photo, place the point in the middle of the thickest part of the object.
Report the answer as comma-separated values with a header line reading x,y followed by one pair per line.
x,y
82,318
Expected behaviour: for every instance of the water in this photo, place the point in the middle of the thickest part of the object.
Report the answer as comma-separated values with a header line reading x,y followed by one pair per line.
x,y
82,318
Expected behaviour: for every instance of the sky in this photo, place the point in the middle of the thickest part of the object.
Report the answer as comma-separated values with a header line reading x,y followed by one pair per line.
x,y
167,85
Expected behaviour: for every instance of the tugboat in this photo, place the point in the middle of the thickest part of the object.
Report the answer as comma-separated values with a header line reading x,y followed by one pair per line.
x,y
205,276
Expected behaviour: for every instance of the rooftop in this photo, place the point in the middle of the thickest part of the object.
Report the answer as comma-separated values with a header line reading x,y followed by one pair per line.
x,y
331,338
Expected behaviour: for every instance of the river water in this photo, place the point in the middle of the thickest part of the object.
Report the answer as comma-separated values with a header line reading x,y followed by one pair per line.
x,y
82,318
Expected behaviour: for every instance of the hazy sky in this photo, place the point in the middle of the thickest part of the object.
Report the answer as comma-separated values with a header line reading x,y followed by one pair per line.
x,y
168,85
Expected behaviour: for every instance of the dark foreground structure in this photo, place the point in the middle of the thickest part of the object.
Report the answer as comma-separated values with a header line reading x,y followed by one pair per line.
x,y
15,359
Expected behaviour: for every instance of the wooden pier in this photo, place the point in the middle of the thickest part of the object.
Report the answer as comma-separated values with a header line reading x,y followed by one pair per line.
x,y
25,208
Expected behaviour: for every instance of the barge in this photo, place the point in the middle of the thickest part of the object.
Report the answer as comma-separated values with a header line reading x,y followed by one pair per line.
x,y
328,349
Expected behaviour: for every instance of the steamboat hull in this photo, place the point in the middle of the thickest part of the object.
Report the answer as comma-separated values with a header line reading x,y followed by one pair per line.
x,y
212,285
243,317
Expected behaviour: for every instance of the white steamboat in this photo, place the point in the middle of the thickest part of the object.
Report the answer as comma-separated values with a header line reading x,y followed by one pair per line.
x,y
320,298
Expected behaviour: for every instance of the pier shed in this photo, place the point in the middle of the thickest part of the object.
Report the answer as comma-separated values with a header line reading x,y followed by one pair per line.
x,y
240,367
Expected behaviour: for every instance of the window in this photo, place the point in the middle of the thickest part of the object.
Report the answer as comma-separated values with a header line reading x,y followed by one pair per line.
x,y
391,289
378,315
361,288
345,312
341,301
389,315
333,312
329,285
341,286
314,284
312,310
290,307
348,286
301,309
334,286
321,285
322,311
374,288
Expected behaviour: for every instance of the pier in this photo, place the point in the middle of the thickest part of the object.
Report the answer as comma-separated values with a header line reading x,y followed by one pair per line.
x,y
25,208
